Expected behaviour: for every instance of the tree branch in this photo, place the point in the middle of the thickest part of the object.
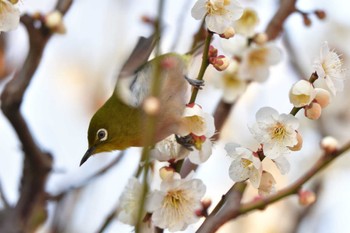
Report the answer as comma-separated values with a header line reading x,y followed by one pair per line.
x,y
30,210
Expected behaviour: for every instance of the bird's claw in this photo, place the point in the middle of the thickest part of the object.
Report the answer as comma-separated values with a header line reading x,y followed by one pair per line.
x,y
186,141
195,83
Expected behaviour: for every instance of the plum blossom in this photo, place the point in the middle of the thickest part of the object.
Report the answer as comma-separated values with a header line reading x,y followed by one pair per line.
x,y
256,61
247,23
329,66
174,205
219,14
245,165
198,127
169,150
276,132
130,202
231,83
9,15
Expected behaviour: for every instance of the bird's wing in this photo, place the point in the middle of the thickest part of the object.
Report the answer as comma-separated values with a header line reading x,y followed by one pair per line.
x,y
128,76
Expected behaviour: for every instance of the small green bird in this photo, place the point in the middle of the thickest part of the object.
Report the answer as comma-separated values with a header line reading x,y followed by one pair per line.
x,y
119,123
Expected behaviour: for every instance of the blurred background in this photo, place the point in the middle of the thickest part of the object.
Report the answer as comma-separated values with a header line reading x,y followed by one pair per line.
x,y
78,72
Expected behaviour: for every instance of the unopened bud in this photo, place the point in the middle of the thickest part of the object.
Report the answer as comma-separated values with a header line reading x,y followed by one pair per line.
x,y
329,144
313,111
213,52
260,38
220,63
320,14
301,94
228,33
299,144
151,106
54,21
306,198
166,173
206,203
322,97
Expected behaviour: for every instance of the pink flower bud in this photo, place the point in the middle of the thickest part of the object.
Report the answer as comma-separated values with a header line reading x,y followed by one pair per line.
x,y
220,63
329,144
313,111
213,52
228,33
322,97
166,173
260,38
306,198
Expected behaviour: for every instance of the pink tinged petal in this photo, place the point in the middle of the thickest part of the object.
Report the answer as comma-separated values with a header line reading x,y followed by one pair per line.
x,y
237,172
199,9
282,164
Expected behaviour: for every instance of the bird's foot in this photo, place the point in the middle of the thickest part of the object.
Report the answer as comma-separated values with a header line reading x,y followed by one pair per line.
x,y
186,141
199,84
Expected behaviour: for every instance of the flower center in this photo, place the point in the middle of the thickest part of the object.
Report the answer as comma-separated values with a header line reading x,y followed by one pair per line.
x,y
258,57
246,163
217,7
174,198
231,80
278,131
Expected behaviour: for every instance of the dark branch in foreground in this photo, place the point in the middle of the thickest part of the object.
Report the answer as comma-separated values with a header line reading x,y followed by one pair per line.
x,y
30,210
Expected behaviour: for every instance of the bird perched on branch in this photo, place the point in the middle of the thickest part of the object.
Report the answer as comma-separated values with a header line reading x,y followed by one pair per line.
x,y
119,123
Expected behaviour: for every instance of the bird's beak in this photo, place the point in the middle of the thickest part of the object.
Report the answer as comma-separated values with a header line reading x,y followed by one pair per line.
x,y
87,155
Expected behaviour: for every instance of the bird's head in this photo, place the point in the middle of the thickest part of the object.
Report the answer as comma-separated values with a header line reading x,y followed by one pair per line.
x,y
100,136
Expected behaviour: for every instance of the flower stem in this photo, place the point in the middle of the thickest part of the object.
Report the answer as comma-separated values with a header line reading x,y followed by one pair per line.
x,y
204,65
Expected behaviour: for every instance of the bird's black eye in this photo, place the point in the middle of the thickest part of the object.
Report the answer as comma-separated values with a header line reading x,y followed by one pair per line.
x,y
102,134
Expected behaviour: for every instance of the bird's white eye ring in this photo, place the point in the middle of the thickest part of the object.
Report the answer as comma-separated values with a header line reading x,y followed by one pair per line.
x,y
102,134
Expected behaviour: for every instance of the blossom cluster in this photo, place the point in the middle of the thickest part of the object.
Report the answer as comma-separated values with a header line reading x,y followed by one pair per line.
x,y
177,201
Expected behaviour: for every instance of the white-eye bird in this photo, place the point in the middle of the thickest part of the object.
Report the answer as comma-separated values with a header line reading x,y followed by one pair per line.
x,y
119,123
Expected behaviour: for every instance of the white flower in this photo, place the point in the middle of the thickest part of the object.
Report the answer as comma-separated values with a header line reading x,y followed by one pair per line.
x,y
9,16
245,164
174,205
275,131
202,149
329,66
196,121
247,23
130,202
302,93
267,184
282,164
231,83
169,150
256,61
219,14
